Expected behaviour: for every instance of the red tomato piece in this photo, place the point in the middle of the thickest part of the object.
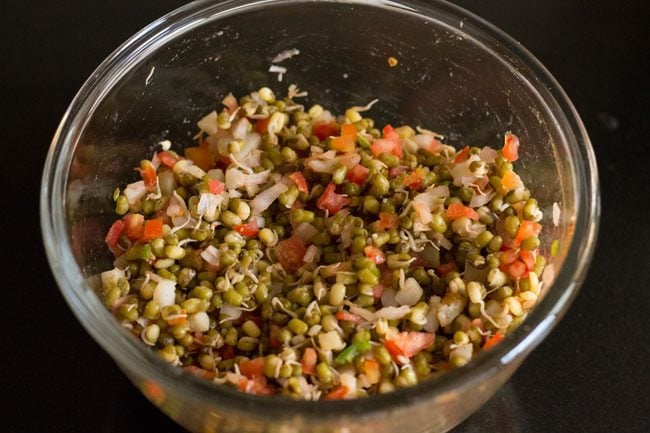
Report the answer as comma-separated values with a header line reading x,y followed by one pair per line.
x,y
346,316
358,174
374,254
114,233
262,125
149,176
168,158
337,393
215,186
408,344
331,201
510,149
414,180
510,180
493,341
349,130
509,256
249,229
457,210
462,155
152,230
299,179
252,368
528,258
388,220
444,268
343,144
308,361
133,225
526,230
290,253
323,130
517,270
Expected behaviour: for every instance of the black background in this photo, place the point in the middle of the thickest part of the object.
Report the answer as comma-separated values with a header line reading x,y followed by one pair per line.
x,y
590,375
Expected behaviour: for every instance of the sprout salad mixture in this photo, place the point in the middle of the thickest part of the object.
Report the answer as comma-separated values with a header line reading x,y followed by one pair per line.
x,y
296,253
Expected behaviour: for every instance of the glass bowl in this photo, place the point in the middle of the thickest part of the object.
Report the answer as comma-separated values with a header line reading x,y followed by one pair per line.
x,y
456,74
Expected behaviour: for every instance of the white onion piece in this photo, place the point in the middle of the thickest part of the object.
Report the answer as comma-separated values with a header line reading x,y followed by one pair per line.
x,y
235,178
208,124
410,294
322,162
388,297
488,154
556,214
461,173
239,129
211,255
165,292
306,232
186,166
134,192
312,254
432,324
349,160
423,211
451,306
392,313
199,322
363,313
217,173
232,313
324,116
263,200
349,381
481,199
208,205
330,341
109,278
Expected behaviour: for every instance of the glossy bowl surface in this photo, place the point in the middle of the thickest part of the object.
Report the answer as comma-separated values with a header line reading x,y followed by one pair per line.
x,y
456,74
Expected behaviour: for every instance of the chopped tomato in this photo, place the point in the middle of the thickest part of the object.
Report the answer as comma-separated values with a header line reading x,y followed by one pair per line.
x,y
346,316
528,258
390,143
152,230
323,130
390,133
510,149
457,210
262,125
113,235
408,344
215,186
510,180
168,158
396,171
358,174
462,155
337,393
444,268
200,372
509,256
201,157
493,341
290,253
526,230
252,368
299,179
349,130
388,220
134,223
180,319
308,361
371,369
258,386
517,269
249,229
435,146
374,254
343,144
415,179
149,175
331,201
378,290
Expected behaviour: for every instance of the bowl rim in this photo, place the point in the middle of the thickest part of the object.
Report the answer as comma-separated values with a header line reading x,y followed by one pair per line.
x,y
132,355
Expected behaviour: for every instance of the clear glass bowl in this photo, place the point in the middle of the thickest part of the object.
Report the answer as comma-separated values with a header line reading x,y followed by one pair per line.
x,y
457,74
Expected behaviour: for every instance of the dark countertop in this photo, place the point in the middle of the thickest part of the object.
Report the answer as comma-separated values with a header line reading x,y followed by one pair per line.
x,y
590,374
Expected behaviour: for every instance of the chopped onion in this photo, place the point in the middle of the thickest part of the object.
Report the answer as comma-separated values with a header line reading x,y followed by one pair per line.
x,y
325,116
461,172
312,254
423,211
216,173
388,297
349,160
322,162
488,154
481,199
349,381
306,232
432,324
392,313
165,292
186,166
235,178
451,306
134,192
208,205
109,278
239,129
263,200
425,202
199,322
410,294
232,313
330,341
208,124
211,255
556,214
363,313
